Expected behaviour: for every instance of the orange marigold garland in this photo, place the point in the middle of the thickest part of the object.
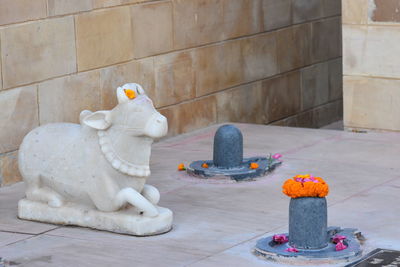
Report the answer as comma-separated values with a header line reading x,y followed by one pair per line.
x,y
305,186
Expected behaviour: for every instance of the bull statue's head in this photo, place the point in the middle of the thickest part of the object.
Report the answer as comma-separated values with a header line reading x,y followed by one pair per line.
x,y
127,131
134,114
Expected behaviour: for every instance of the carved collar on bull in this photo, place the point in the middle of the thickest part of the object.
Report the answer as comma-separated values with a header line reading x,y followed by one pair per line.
x,y
113,157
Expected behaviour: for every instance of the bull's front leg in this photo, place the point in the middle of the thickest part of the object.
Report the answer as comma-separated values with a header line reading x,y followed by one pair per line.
x,y
131,196
151,194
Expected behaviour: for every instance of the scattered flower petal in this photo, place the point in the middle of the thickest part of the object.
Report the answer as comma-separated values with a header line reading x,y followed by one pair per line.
x,y
292,249
277,156
280,239
340,246
130,93
338,238
181,167
204,165
253,165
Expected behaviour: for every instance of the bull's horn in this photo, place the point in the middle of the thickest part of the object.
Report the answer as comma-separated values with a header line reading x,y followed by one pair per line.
x,y
122,98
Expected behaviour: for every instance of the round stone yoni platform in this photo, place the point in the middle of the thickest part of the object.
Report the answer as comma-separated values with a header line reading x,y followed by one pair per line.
x,y
228,158
309,239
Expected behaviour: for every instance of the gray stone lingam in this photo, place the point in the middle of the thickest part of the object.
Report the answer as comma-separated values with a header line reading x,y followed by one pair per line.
x,y
228,158
309,234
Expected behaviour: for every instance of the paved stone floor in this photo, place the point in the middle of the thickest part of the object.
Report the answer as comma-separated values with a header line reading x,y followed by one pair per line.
x,y
217,223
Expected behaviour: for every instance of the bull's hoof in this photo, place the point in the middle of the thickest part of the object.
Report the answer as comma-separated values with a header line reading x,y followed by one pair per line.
x,y
127,221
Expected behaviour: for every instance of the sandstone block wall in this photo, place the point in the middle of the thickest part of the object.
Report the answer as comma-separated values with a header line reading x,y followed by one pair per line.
x,y
201,61
371,38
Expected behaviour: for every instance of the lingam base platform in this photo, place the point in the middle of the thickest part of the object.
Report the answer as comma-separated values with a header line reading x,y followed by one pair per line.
x,y
239,173
128,221
269,250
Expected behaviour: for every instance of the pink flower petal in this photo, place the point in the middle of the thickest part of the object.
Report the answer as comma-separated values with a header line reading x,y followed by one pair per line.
x,y
338,238
280,239
340,246
292,249
277,156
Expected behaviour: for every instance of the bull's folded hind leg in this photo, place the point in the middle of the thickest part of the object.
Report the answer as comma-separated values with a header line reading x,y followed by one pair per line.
x,y
44,194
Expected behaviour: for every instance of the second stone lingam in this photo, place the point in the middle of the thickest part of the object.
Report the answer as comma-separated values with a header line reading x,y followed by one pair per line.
x,y
228,158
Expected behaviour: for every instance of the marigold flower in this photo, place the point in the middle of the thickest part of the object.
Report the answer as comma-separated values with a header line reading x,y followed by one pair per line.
x,y
305,186
130,93
204,165
181,167
253,165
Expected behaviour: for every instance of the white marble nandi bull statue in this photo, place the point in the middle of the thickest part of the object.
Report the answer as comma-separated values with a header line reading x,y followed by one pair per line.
x,y
93,174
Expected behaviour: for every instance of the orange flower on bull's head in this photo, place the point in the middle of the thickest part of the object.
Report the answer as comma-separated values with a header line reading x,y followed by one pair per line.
x,y
130,93
305,186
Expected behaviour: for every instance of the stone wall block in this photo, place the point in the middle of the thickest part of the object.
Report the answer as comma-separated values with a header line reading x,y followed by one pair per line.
x,y
37,51
175,79
9,172
12,11
315,85
62,99
277,103
19,115
152,28
103,38
244,104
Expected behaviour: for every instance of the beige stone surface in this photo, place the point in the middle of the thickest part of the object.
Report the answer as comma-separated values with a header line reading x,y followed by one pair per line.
x,y
220,66
326,39
9,173
197,22
180,117
293,47
244,103
19,115
335,79
241,17
370,50
354,41
12,11
139,71
36,51
276,14
277,103
152,28
354,11
103,38
259,57
61,7
314,85
110,3
62,99
371,103
175,79
306,10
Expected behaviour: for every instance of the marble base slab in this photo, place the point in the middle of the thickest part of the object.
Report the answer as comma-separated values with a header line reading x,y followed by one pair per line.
x,y
127,221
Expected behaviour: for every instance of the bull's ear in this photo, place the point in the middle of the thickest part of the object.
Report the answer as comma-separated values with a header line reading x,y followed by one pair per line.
x,y
99,120
121,96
